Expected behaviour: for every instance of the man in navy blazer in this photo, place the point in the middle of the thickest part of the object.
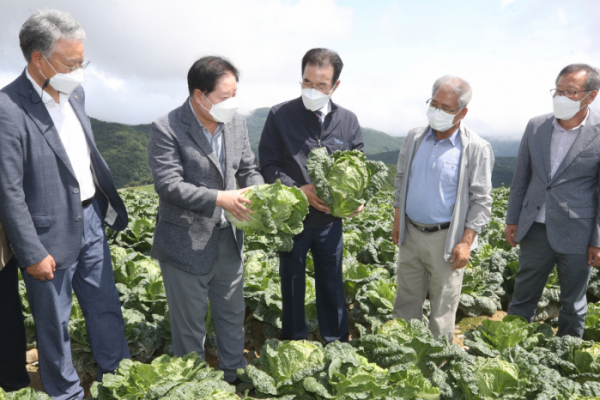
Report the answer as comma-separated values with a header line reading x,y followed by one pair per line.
x,y
56,192
553,209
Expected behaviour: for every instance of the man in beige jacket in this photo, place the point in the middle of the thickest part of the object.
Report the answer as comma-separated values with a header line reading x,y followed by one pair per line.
x,y
443,201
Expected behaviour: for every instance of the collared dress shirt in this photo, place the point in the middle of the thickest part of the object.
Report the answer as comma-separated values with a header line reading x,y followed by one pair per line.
x,y
72,137
216,143
560,144
433,179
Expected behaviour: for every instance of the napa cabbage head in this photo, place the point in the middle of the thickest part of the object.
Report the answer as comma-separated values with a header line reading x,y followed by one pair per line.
x,y
277,211
344,180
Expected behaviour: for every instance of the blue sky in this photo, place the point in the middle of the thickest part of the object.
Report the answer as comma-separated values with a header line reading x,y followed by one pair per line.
x,y
510,52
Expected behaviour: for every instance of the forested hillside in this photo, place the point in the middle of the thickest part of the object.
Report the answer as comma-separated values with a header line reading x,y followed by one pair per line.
x,y
124,147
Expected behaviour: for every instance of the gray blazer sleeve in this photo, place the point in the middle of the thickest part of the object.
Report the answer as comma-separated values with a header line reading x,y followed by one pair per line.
x,y
166,164
14,212
521,178
247,173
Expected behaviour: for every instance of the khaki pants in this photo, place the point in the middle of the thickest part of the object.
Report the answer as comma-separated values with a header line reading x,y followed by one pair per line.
x,y
422,269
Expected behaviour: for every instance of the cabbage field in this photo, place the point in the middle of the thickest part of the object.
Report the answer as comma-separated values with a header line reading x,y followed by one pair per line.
x,y
386,358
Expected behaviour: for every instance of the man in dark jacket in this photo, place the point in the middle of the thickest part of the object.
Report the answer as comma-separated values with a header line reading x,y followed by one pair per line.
x,y
291,131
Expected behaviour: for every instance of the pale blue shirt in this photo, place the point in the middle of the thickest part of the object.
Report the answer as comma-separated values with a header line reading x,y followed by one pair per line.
x,y
433,179
216,143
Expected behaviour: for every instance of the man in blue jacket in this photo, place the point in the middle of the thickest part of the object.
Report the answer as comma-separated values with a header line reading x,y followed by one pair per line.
x,y
55,194
291,131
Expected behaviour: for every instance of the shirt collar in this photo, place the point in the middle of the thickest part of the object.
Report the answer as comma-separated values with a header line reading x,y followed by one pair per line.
x,y
47,99
561,129
453,138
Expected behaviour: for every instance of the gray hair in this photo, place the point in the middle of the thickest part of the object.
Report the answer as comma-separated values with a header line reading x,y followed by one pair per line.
x,y
44,28
592,81
460,87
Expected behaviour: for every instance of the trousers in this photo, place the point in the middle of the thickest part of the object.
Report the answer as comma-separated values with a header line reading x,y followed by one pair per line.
x,y
189,296
422,269
536,262
92,280
13,346
326,245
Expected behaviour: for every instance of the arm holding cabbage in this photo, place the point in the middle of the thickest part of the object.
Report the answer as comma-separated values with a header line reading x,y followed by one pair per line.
x,y
313,199
276,211
233,202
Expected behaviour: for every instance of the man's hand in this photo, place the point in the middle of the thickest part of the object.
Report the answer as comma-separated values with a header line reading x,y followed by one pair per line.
x,y
462,251
358,210
396,227
594,256
460,255
313,200
232,201
510,232
43,270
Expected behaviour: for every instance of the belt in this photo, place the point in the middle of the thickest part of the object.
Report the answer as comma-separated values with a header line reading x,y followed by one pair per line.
x,y
87,203
430,228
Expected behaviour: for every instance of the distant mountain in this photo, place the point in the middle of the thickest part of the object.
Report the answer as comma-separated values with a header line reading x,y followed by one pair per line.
x,y
124,147
502,175
505,148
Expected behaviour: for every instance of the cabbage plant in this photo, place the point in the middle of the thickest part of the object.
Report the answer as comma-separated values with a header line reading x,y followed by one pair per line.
x,y
344,180
278,211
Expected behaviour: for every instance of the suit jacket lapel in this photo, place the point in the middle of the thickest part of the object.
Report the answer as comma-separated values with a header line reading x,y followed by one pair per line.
x,y
542,146
228,139
195,131
588,133
40,116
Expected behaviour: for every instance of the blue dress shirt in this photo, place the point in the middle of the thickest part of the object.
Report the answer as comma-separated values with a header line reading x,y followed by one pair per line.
x,y
433,179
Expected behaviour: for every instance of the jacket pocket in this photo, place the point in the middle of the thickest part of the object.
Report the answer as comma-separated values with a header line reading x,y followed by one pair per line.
x,y
176,216
582,212
42,221
589,155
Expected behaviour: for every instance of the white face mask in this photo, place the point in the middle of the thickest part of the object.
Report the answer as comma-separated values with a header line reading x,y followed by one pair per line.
x,y
314,100
439,120
224,111
65,83
565,108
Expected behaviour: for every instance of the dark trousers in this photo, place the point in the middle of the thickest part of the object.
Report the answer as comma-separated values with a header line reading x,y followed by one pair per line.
x,y
92,279
536,262
13,346
326,246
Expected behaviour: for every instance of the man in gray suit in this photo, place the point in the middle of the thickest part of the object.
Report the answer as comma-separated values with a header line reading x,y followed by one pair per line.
x,y
553,209
55,194
197,152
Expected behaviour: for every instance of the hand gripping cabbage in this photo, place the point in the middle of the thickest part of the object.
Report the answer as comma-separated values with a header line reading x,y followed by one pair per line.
x,y
345,180
278,210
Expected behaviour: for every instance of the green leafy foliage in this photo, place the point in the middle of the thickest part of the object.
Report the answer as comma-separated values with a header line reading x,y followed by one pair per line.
x,y
166,377
375,302
492,337
278,211
24,394
592,323
345,180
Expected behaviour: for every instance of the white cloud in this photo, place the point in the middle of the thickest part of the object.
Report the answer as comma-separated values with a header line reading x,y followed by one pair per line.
x,y
505,3
393,52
